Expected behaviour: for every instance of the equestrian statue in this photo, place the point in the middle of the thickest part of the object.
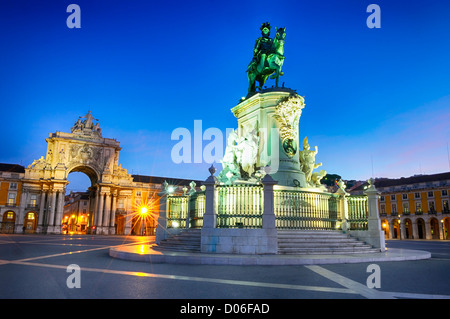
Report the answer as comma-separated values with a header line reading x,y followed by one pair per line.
x,y
268,58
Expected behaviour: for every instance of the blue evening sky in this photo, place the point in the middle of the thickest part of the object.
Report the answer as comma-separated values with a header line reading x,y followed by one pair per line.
x,y
377,100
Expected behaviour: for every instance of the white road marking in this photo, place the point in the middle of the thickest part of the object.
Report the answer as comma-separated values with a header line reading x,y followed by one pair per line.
x,y
350,284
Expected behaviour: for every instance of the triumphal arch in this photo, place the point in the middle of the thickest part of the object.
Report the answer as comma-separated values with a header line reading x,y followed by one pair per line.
x,y
85,150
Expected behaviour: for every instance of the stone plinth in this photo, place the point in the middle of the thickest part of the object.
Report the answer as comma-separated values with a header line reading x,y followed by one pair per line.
x,y
274,114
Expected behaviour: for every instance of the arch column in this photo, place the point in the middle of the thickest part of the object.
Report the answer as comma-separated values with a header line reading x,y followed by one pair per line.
x,y
428,234
52,208
128,216
20,219
402,229
107,213
59,211
112,230
101,201
415,229
391,228
441,228
40,224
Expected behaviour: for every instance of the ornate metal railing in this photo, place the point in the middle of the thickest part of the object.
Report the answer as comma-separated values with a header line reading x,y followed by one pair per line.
x,y
306,210
196,209
357,212
177,211
239,206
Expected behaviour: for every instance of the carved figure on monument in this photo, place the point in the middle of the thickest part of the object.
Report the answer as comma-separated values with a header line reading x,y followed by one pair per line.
x,y
307,159
241,157
248,151
268,57
88,122
317,177
49,156
62,156
288,113
38,164
341,184
87,127
230,159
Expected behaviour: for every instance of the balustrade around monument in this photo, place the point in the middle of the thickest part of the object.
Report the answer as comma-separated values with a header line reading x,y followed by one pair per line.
x,y
185,211
239,206
357,212
196,209
297,209
242,206
177,211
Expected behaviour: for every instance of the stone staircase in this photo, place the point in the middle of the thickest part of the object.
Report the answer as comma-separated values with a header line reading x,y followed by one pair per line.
x,y
187,241
320,242
300,242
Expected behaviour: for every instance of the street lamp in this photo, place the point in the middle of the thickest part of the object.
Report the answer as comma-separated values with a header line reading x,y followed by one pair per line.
x,y
143,211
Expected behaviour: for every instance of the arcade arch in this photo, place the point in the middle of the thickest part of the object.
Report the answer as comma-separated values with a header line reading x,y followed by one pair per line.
x,y
8,222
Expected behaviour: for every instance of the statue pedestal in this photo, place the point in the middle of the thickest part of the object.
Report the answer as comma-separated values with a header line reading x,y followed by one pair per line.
x,y
274,114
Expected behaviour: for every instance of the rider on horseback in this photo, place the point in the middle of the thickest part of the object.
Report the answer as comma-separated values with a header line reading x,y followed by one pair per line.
x,y
263,47
268,57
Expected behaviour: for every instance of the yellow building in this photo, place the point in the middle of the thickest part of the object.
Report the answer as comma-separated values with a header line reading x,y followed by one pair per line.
x,y
126,205
415,207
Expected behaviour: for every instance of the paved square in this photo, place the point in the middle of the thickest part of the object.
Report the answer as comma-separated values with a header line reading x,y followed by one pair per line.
x,y
35,266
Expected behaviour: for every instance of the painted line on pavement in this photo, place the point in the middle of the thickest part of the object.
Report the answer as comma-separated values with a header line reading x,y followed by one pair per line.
x,y
196,279
350,284
70,253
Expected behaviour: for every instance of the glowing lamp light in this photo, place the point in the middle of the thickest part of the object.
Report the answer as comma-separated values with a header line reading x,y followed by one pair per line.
x,y
171,189
175,224
143,210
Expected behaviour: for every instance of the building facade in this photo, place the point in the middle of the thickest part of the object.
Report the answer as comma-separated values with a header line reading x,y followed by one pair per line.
x,y
33,198
415,207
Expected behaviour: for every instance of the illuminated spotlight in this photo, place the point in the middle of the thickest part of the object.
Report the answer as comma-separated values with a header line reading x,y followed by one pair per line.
x,y
143,210
171,189
175,224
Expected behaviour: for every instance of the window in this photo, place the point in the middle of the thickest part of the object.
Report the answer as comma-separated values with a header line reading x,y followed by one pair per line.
x,y
30,216
392,197
418,207
431,207
138,193
382,198
383,209
404,196
120,203
11,199
416,195
405,208
394,208
430,194
445,206
10,215
444,192
12,185
33,200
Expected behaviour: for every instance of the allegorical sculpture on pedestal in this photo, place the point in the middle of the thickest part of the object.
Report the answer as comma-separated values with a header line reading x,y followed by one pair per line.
x,y
268,126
